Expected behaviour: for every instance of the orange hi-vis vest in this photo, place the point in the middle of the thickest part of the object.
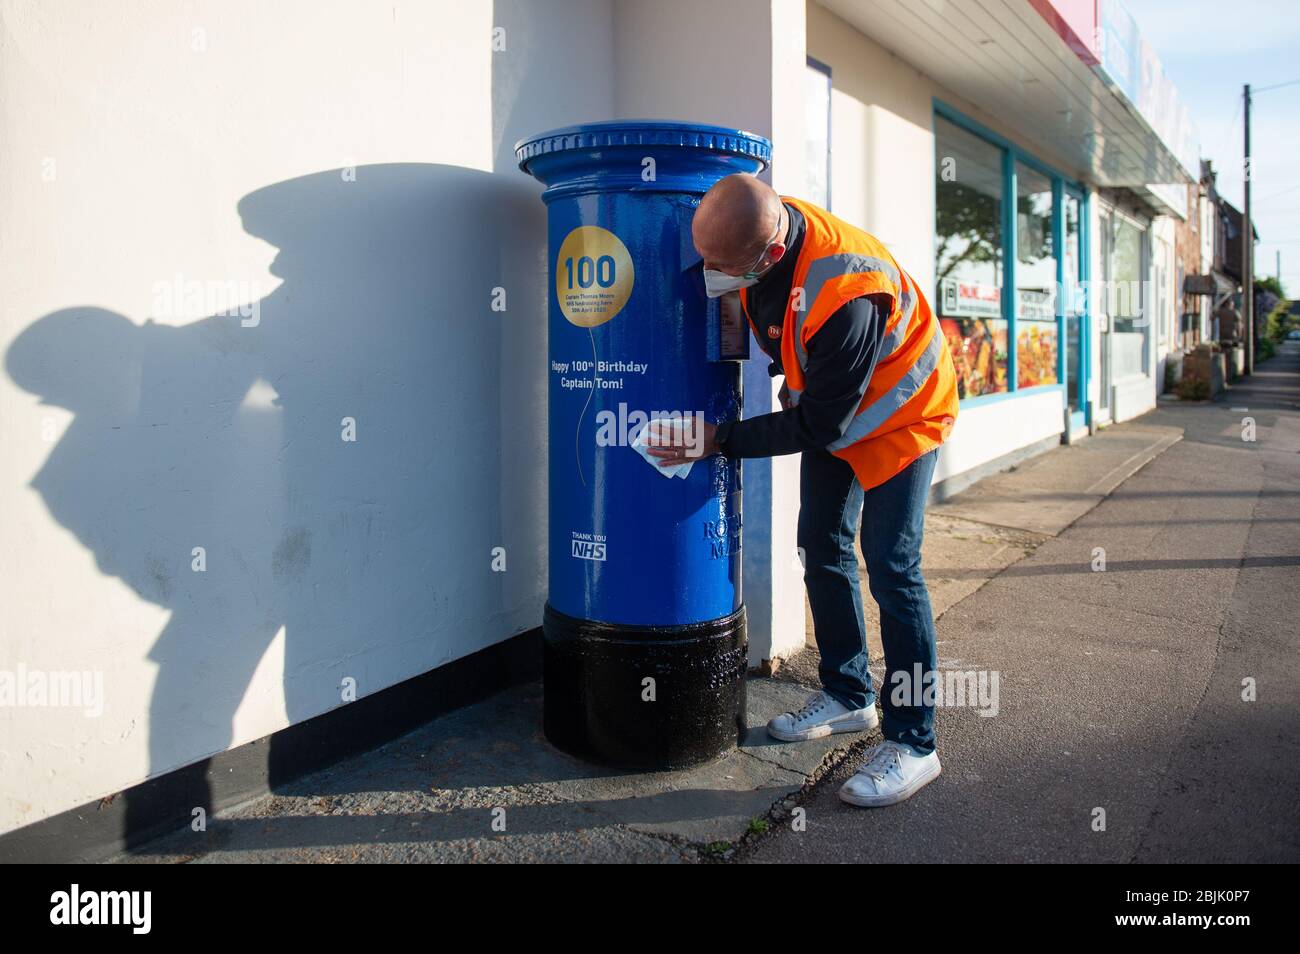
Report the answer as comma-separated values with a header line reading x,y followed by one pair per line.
x,y
911,400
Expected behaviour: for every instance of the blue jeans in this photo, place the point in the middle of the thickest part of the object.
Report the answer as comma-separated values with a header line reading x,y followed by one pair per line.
x,y
893,522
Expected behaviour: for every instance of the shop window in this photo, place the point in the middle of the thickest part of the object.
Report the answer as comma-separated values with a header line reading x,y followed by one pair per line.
x,y
1125,289
1124,264
1035,301
969,257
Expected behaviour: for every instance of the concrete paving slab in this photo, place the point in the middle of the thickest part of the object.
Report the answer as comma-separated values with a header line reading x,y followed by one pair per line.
x,y
957,556
435,794
1049,492
1158,552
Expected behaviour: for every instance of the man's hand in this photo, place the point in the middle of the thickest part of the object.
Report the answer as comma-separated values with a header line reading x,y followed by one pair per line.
x,y
784,396
677,442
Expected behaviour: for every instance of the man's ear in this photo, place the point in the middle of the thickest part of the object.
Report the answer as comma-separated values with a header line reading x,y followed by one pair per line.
x,y
776,253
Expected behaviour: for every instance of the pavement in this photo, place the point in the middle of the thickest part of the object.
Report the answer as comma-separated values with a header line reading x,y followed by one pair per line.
x,y
483,784
1124,731
1132,598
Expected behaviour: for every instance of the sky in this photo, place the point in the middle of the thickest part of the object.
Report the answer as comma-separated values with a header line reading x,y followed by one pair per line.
x,y
1210,48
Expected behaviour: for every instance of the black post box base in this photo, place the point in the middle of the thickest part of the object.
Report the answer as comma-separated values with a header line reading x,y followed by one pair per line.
x,y
644,697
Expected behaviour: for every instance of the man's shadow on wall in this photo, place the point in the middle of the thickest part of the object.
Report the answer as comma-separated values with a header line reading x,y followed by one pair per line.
x,y
229,436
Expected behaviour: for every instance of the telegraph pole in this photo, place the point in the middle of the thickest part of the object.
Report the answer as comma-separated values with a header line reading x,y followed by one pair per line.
x,y
1248,253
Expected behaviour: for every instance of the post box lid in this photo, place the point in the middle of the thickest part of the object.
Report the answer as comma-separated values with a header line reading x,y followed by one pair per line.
x,y
645,132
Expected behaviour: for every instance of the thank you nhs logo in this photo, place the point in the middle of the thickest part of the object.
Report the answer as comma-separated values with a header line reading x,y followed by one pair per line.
x,y
587,546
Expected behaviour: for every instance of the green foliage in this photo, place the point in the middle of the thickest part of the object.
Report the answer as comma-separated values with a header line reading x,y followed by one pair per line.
x,y
1271,284
1280,321
1193,389
969,226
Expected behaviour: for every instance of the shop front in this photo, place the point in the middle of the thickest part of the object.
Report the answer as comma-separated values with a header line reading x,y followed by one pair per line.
x,y
1009,269
1042,248
1126,301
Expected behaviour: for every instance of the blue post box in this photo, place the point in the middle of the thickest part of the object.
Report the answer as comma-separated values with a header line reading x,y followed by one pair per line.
x,y
644,630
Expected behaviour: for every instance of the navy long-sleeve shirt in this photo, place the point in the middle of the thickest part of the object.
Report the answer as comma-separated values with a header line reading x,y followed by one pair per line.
x,y
842,355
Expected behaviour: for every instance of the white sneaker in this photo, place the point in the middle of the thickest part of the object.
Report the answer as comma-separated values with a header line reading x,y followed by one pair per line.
x,y
893,773
820,716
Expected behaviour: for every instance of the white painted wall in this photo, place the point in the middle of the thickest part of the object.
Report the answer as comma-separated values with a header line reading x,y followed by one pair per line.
x,y
203,140
997,428
882,134
736,63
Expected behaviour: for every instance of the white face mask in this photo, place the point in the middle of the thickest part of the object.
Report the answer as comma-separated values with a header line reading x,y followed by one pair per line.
x,y
717,284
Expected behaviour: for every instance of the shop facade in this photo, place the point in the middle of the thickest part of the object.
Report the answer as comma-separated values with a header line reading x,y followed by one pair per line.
x,y
1002,151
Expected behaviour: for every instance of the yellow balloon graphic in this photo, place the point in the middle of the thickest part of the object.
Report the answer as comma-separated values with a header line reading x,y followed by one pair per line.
x,y
593,276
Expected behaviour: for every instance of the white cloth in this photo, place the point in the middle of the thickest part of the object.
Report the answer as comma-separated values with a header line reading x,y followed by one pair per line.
x,y
641,445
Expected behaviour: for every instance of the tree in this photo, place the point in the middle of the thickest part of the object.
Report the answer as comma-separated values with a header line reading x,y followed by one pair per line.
x,y
968,223
1270,283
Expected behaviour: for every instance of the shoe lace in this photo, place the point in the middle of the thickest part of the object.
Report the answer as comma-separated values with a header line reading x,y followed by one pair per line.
x,y
887,756
810,708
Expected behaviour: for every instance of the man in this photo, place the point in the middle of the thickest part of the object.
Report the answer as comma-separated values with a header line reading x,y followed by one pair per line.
x,y
869,395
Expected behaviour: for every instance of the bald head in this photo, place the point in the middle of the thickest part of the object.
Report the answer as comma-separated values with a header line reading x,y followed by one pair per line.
x,y
736,219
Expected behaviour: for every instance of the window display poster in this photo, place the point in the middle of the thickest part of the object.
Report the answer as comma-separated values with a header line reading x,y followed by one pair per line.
x,y
979,353
1036,351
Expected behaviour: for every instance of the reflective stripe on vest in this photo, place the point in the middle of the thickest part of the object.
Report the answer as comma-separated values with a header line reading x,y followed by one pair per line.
x,y
880,410
822,270
892,342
